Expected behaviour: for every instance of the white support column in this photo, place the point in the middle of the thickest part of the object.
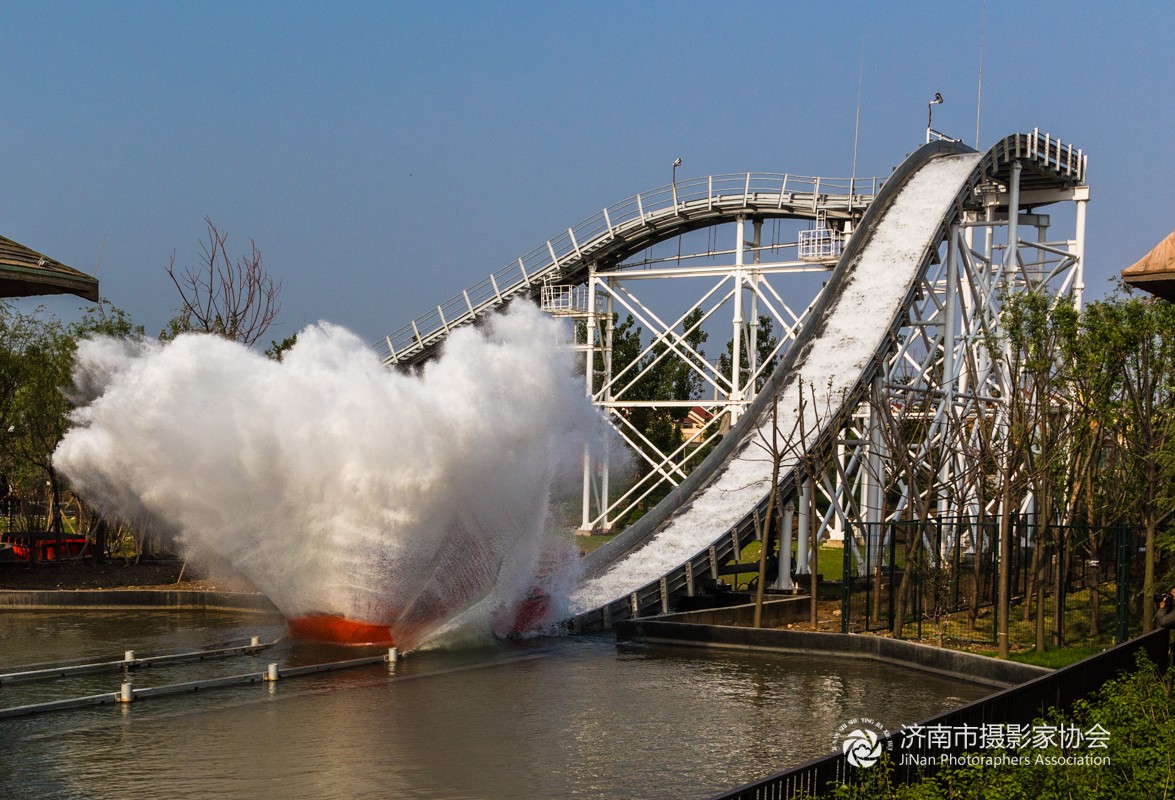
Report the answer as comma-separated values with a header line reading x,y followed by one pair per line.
x,y
736,390
874,499
951,315
585,522
753,344
1011,261
1082,196
609,325
784,581
805,526
949,325
988,278
837,524
589,369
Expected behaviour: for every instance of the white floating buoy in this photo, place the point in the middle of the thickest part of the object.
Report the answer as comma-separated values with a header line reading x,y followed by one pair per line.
x,y
130,655
255,641
127,693
273,674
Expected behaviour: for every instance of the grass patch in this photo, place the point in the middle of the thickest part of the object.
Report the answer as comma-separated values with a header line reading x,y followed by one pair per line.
x,y
589,543
829,562
1057,658
1054,658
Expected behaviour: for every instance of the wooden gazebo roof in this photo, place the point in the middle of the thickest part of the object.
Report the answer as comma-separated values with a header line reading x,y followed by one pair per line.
x,y
25,272
1155,272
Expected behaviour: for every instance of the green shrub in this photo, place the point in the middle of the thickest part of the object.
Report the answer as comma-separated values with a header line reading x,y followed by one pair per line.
x,y
1138,711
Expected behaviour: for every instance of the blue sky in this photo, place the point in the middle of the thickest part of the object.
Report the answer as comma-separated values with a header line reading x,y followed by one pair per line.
x,y
386,155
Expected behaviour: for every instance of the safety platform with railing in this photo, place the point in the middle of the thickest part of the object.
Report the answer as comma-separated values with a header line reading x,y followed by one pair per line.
x,y
564,258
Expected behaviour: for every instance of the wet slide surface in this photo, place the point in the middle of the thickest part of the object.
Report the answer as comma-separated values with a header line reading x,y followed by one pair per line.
x,y
832,361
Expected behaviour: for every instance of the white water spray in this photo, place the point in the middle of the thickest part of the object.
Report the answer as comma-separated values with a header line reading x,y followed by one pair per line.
x,y
334,485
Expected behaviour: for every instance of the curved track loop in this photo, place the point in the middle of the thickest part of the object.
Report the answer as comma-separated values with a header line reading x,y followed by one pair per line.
x,y
853,325
621,230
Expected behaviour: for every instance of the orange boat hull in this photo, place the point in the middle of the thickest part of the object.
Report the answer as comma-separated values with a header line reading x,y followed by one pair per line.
x,y
333,629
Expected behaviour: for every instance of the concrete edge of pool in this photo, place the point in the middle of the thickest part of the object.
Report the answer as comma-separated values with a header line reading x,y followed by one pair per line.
x,y
957,664
114,599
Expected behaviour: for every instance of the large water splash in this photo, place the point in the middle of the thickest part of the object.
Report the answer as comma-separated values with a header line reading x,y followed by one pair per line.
x,y
337,486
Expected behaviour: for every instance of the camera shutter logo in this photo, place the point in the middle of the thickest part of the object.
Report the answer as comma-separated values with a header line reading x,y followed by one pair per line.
x,y
862,747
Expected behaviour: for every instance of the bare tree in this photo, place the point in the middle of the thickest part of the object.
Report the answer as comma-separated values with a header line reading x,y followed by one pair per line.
x,y
237,300
913,437
800,447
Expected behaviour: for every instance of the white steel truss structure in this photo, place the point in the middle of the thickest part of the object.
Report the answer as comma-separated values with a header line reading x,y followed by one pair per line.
x,y
732,291
940,352
940,377
899,454
591,272
896,452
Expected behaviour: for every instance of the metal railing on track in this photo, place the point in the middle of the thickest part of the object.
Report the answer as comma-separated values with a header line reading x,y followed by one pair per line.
x,y
1055,163
668,208
626,227
658,596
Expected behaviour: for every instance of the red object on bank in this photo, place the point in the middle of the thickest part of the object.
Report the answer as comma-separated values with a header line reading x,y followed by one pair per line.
x,y
44,546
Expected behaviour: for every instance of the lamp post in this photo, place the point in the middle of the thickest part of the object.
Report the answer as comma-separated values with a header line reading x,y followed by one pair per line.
x,y
676,164
930,114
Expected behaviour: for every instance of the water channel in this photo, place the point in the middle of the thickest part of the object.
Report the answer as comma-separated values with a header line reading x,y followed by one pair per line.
x,y
552,717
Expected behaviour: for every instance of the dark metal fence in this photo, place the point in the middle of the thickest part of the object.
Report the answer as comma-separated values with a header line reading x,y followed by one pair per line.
x,y
1018,705
938,579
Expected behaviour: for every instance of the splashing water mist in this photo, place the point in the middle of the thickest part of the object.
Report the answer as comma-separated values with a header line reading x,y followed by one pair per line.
x,y
347,493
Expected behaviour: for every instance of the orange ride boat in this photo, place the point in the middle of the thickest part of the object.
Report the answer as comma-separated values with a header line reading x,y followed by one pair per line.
x,y
336,629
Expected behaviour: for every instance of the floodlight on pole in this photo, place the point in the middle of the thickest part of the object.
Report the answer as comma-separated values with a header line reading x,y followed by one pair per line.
x,y
676,164
930,114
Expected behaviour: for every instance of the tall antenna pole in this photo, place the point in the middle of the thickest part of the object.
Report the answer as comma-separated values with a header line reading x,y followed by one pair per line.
x,y
979,96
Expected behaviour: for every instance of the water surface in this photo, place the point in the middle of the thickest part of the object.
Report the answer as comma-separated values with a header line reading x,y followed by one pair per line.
x,y
579,718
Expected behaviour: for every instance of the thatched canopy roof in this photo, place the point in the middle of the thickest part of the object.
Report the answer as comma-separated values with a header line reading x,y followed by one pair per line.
x,y
1155,272
25,272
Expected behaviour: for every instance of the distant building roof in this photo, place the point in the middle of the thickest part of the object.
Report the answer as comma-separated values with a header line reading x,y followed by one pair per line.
x,y
1155,272
25,272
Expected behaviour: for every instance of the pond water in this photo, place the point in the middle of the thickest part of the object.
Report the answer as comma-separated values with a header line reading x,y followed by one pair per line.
x,y
571,717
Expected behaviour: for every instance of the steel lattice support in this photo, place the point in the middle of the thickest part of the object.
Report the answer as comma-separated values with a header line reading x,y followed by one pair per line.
x,y
725,295
940,363
940,382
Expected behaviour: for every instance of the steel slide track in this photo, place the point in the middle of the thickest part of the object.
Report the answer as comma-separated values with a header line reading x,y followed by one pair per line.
x,y
707,519
623,229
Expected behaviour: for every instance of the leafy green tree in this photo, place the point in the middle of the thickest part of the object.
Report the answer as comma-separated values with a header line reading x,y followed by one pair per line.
x,y
1139,334
1037,334
1101,484
1099,490
765,357
650,375
669,374
277,350
36,365
18,332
